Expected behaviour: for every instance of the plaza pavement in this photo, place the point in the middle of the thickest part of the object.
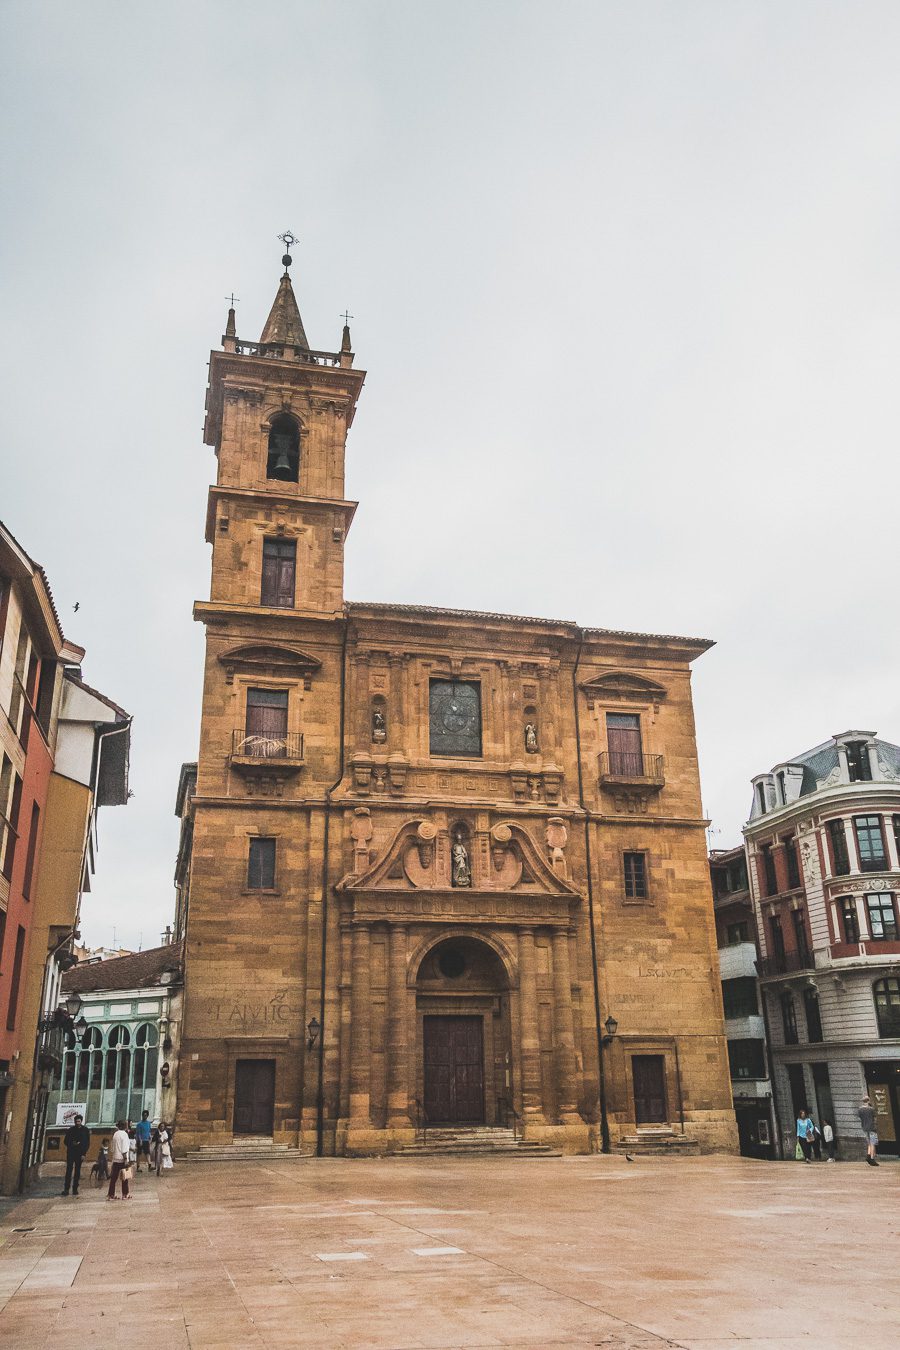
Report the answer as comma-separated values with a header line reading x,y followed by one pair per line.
x,y
700,1253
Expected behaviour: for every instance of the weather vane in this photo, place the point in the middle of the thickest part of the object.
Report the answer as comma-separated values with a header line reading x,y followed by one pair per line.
x,y
289,240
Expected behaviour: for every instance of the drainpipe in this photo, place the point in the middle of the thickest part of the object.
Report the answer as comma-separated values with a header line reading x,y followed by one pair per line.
x,y
604,1119
320,1087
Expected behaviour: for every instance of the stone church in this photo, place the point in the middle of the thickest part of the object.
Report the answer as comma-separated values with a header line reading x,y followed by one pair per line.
x,y
439,867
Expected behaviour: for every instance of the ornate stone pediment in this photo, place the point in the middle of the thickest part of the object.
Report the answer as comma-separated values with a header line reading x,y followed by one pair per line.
x,y
503,859
272,659
623,686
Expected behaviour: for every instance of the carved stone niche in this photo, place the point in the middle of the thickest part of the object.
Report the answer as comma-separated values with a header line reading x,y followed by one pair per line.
x,y
379,719
270,659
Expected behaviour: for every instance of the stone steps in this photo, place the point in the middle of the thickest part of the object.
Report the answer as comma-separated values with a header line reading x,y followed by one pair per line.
x,y
244,1149
484,1140
658,1143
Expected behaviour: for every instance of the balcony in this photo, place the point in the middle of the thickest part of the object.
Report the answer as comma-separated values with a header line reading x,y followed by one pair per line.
x,y
264,756
788,963
737,960
631,768
50,1049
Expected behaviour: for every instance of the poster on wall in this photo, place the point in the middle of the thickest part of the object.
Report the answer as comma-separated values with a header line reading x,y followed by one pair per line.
x,y
67,1111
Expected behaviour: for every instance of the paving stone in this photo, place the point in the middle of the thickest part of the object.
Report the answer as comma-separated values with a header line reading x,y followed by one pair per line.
x,y
680,1257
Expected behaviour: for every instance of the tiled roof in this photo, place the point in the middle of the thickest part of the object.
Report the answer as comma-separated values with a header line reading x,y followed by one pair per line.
x,y
104,698
140,970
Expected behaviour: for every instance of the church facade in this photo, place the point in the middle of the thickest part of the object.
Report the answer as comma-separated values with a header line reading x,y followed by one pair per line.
x,y
444,867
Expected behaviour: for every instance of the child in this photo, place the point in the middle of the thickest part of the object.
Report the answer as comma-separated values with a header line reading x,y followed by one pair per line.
x,y
100,1169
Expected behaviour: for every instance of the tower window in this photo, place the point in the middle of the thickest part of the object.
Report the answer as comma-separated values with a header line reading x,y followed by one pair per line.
x,y
635,866
261,865
279,571
283,460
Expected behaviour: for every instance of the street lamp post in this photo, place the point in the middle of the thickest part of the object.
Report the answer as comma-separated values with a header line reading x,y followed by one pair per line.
x,y
611,1027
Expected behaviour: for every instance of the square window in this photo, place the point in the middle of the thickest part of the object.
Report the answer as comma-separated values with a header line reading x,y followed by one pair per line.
x,y
635,868
882,919
454,708
261,865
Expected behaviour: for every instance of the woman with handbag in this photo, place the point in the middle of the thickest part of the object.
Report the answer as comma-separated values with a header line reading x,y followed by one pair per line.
x,y
118,1156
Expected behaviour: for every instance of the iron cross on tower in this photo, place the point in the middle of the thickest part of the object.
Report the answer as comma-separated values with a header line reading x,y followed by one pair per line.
x,y
289,240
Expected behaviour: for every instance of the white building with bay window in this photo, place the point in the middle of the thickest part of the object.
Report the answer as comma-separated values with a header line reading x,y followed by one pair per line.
x,y
125,1061
823,848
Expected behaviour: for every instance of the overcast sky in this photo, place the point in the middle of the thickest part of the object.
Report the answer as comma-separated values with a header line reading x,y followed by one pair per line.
x,y
624,278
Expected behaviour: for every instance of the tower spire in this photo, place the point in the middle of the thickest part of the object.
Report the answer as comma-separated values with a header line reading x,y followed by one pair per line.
x,y
284,323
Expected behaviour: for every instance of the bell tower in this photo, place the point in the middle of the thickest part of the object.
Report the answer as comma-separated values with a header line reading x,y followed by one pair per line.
x,y
277,415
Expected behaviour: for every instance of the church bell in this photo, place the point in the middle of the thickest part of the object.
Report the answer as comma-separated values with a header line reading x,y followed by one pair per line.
x,y
281,465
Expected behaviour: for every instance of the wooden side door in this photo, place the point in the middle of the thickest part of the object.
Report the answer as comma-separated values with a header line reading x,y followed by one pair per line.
x,y
648,1076
254,1096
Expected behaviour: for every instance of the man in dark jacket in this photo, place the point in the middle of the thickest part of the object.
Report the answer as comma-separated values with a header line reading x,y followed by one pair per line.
x,y
78,1141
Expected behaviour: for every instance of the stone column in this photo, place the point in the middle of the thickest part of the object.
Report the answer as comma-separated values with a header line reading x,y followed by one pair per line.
x,y
363,714
360,1031
398,1049
529,1033
547,714
564,1028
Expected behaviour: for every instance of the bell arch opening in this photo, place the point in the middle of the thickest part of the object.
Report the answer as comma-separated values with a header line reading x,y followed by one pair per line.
x,y
283,458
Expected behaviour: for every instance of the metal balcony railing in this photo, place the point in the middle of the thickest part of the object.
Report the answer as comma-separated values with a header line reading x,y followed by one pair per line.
x,y
253,745
51,1048
631,766
785,964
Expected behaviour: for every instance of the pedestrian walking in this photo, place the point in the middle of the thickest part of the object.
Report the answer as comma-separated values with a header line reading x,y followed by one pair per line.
x,y
828,1137
142,1132
78,1141
805,1135
119,1149
867,1121
816,1140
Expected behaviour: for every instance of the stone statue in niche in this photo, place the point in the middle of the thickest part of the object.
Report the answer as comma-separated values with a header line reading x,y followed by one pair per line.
x,y
531,740
379,725
460,872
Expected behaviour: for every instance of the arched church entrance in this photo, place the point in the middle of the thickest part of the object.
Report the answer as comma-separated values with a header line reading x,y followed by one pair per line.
x,y
463,1034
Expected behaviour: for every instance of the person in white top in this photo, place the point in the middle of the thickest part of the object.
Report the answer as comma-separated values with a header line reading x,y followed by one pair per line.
x,y
118,1157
